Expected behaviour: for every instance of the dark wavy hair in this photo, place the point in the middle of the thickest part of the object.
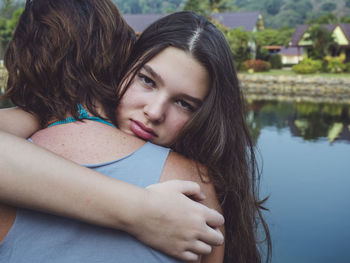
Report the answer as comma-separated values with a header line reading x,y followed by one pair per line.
x,y
217,135
64,53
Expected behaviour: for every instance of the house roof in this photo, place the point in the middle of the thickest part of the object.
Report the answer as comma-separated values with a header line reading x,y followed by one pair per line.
x,y
272,47
298,34
346,30
139,22
301,29
246,20
290,51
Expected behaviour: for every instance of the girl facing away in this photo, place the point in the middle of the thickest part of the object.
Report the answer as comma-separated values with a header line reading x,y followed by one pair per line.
x,y
69,52
200,117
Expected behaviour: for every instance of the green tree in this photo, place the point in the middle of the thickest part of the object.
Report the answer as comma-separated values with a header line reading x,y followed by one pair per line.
x,y
216,6
148,6
129,7
328,7
273,37
322,41
329,19
325,19
197,6
207,7
347,3
345,19
273,6
8,7
7,26
239,44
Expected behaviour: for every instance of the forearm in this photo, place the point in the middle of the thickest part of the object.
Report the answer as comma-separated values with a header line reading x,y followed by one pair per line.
x,y
35,178
160,216
18,122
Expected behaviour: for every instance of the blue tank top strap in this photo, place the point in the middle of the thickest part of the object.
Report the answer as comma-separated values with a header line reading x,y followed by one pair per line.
x,y
83,114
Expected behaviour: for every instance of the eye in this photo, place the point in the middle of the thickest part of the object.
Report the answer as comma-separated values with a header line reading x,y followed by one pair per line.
x,y
185,105
146,80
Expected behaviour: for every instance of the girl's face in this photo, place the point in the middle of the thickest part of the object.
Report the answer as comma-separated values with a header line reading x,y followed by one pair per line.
x,y
163,96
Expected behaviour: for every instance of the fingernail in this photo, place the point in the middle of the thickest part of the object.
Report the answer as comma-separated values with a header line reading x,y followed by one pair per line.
x,y
222,238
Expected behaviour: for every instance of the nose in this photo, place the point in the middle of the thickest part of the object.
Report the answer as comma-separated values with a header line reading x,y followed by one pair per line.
x,y
155,110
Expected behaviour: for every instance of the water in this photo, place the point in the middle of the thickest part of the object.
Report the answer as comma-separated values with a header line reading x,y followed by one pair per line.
x,y
306,173
4,103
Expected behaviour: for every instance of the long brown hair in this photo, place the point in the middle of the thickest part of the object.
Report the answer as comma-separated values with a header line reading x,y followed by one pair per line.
x,y
217,135
64,53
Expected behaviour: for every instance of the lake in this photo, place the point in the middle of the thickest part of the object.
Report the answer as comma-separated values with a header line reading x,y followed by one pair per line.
x,y
306,171
305,151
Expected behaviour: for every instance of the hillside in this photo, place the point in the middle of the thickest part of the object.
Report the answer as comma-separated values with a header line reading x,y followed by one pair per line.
x,y
277,13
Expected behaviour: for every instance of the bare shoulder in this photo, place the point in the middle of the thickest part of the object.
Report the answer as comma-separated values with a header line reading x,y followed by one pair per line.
x,y
178,167
78,142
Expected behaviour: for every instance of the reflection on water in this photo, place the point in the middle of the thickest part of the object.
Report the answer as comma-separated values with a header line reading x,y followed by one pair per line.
x,y
307,178
308,184
307,120
5,103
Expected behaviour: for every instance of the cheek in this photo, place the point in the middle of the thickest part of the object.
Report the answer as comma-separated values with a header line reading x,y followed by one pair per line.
x,y
131,99
176,125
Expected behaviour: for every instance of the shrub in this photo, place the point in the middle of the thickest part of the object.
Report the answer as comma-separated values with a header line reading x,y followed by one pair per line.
x,y
308,66
335,65
262,54
324,66
347,67
241,67
257,65
304,69
275,61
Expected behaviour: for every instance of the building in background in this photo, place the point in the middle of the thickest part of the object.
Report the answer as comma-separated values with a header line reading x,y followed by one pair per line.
x,y
340,33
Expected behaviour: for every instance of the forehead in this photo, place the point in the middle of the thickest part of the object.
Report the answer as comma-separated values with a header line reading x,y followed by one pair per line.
x,y
181,71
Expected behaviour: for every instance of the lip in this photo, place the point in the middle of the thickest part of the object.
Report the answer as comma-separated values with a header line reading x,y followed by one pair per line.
x,y
140,130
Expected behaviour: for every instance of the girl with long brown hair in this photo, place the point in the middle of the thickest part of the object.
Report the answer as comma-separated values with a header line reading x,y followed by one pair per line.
x,y
215,134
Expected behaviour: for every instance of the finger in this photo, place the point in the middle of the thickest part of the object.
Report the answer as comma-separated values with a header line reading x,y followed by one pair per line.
x,y
189,256
213,218
200,248
190,189
212,237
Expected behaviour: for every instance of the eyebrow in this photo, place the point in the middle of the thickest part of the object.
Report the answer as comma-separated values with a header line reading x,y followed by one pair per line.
x,y
158,78
199,102
154,74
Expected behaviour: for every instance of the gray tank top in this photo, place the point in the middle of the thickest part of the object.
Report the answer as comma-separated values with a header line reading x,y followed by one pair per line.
x,y
42,238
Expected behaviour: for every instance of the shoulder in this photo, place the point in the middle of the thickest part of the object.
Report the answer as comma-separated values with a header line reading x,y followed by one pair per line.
x,y
180,168
87,141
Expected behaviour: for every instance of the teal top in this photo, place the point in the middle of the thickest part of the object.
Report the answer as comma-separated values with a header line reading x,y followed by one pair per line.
x,y
83,114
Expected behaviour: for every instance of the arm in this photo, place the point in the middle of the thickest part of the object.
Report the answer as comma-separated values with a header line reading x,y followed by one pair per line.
x,y
101,200
18,122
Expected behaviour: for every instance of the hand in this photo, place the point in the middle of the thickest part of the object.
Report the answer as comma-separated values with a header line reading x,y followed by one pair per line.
x,y
173,223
